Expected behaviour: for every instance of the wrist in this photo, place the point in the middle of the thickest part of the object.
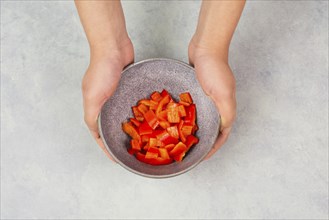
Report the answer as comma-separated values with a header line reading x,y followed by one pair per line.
x,y
205,47
112,49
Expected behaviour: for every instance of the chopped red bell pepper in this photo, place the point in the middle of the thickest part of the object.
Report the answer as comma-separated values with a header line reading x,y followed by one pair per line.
x,y
164,93
164,153
173,131
151,119
181,111
156,96
164,124
135,122
162,130
178,149
190,141
190,115
169,147
129,129
187,130
181,135
137,114
135,144
186,97
142,108
144,128
173,115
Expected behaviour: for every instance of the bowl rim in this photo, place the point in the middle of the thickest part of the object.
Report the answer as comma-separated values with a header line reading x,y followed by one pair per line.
x,y
144,174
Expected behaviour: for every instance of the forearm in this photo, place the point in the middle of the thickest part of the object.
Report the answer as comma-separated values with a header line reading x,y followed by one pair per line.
x,y
104,24
216,25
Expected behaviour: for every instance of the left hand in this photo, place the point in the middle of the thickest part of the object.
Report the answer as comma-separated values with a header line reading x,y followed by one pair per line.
x,y
217,81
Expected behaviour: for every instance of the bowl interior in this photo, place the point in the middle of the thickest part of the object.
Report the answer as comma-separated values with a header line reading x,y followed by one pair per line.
x,y
139,81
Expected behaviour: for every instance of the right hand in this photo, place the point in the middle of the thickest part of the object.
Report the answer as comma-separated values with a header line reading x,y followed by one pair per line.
x,y
101,80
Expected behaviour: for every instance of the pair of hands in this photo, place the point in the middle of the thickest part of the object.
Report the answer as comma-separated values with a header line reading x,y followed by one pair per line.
x,y
212,71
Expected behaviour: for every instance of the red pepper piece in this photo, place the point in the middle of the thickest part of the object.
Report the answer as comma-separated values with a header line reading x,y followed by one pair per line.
x,y
144,129
145,138
173,116
186,97
137,114
147,102
195,128
187,130
164,93
152,152
152,142
153,161
178,149
151,119
163,115
135,122
190,115
181,135
166,139
181,111
190,141
142,108
179,157
164,153
164,124
156,96
184,103
135,144
165,100
169,147
171,105
128,128
173,131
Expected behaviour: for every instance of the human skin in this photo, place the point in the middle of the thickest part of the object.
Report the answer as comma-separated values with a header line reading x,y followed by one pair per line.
x,y
111,50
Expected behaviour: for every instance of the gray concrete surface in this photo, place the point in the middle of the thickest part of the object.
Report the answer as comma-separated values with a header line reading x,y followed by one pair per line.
x,y
275,165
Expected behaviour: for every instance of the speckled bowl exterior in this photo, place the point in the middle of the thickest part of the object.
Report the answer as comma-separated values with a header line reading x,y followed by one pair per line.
x,y
138,81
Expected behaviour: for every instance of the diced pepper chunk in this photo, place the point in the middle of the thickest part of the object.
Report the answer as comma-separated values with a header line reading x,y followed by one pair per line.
x,y
178,149
162,115
179,157
190,141
142,108
187,130
184,103
190,115
164,153
137,114
156,96
129,129
135,144
169,147
152,152
152,142
181,111
144,128
186,97
173,116
181,135
151,119
135,122
164,124
173,131
164,93
165,100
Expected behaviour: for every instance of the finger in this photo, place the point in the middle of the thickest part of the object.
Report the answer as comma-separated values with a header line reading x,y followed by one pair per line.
x,y
102,146
222,138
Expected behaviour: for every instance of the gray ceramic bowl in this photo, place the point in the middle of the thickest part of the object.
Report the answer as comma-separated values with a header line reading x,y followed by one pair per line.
x,y
138,81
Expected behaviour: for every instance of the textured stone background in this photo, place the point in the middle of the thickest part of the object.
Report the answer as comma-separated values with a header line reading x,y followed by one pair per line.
x,y
275,164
